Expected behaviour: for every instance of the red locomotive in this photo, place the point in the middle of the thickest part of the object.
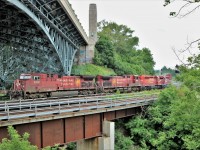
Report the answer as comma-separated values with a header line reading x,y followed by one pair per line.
x,y
44,85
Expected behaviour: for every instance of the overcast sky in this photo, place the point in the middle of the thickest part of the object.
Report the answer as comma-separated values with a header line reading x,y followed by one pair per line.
x,y
151,23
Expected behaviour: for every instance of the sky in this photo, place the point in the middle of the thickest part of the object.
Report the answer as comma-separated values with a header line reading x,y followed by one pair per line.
x,y
152,24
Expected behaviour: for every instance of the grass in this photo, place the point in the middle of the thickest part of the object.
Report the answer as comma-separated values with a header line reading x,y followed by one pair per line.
x,y
91,69
2,95
117,95
4,98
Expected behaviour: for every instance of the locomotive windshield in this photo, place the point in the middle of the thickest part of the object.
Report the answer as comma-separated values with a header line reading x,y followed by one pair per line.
x,y
25,76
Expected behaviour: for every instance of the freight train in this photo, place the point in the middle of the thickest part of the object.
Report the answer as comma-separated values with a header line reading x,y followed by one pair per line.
x,y
34,85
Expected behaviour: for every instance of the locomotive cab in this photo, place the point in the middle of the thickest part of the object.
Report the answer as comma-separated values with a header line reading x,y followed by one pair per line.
x,y
19,86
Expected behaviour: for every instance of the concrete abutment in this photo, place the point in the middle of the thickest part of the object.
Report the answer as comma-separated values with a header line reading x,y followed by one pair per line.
x,y
106,142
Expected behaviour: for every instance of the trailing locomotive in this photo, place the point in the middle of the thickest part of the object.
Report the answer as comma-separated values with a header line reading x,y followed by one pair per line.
x,y
35,85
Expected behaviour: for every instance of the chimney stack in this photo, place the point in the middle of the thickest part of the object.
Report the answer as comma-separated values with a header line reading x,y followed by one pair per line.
x,y
93,23
92,33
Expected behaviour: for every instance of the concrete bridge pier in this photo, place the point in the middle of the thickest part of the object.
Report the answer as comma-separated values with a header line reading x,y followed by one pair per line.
x,y
106,142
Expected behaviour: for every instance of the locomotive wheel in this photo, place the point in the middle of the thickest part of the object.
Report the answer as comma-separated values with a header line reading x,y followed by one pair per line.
x,y
85,93
48,94
19,97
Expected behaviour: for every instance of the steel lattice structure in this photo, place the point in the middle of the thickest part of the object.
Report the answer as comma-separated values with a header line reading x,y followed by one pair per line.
x,y
37,36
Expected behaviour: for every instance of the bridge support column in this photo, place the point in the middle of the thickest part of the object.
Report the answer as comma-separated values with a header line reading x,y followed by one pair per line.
x,y
106,142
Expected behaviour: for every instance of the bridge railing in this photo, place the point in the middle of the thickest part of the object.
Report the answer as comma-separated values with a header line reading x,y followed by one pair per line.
x,y
53,107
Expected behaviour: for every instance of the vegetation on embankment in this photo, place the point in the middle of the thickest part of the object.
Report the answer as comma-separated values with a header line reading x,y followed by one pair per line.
x,y
165,70
2,95
117,48
172,122
91,69
15,141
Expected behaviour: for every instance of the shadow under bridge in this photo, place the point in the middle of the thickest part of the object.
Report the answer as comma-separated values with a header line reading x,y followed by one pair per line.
x,y
38,36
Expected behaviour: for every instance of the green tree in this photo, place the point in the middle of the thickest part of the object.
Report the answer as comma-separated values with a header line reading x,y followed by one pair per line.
x,y
117,48
165,70
104,54
172,122
16,142
122,142
188,7
120,35
190,77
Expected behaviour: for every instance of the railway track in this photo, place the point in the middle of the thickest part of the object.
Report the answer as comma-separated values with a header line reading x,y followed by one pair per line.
x,y
30,108
68,96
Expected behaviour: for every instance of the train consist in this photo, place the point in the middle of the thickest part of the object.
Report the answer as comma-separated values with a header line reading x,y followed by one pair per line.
x,y
36,85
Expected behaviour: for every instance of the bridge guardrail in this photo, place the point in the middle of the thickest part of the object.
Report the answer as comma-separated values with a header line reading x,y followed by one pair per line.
x,y
51,108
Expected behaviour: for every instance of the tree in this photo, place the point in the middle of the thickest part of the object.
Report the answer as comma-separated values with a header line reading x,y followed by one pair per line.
x,y
16,142
186,9
122,142
190,77
117,49
187,4
165,70
172,122
120,35
104,53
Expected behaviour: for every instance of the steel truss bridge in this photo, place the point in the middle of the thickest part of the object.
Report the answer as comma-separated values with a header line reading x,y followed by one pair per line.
x,y
65,120
38,36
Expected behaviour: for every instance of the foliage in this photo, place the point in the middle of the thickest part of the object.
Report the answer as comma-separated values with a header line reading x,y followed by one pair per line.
x,y
120,35
164,70
122,138
173,122
190,77
186,6
55,147
2,94
122,142
16,142
105,53
194,61
117,49
71,146
90,69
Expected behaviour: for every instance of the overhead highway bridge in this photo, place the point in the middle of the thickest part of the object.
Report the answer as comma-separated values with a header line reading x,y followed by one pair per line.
x,y
43,36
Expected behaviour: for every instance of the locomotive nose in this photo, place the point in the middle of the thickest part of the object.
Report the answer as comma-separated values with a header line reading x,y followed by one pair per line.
x,y
17,83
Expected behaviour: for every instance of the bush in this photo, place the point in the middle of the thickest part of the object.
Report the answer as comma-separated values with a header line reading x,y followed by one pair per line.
x,y
122,142
16,142
173,122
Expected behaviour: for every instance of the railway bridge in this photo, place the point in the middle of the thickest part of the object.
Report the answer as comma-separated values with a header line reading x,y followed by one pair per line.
x,y
89,121
43,36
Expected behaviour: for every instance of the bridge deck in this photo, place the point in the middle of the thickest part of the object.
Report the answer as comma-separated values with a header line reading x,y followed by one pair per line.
x,y
24,112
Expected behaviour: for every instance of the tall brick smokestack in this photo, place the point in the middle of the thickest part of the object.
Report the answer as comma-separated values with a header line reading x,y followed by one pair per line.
x,y
92,32
93,22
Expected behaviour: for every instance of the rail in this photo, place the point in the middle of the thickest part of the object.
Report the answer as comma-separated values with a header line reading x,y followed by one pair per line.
x,y
22,109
